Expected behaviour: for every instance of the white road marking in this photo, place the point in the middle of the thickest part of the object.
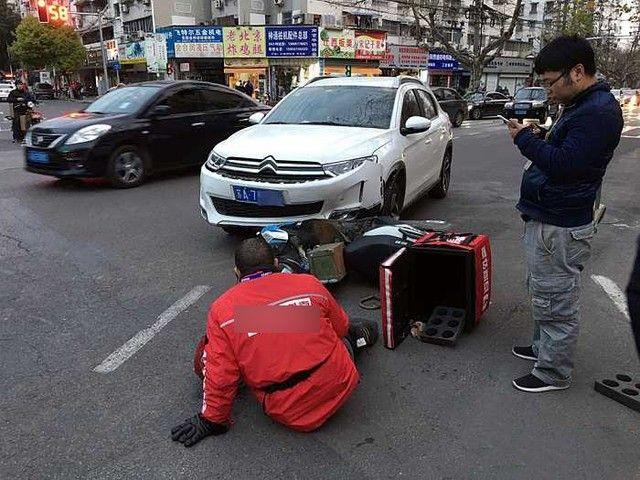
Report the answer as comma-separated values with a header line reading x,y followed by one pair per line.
x,y
616,295
138,341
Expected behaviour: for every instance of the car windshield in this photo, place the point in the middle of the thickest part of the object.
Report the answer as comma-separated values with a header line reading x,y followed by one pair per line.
x,y
531,94
123,100
349,106
474,97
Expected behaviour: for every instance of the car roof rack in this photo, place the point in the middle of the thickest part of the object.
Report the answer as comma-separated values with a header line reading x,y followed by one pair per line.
x,y
404,79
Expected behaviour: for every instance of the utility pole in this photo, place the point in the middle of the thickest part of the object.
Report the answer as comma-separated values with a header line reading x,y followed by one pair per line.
x,y
103,50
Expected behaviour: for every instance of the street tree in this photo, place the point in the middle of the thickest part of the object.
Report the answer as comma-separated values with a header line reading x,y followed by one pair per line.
x,y
40,45
9,20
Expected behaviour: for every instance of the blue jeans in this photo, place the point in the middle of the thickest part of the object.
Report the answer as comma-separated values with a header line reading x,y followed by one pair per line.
x,y
555,258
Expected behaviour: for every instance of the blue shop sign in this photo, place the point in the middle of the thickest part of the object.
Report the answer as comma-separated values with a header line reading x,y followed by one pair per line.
x,y
190,35
442,61
285,41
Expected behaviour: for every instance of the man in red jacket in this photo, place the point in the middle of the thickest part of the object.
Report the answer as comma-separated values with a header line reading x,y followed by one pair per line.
x,y
286,337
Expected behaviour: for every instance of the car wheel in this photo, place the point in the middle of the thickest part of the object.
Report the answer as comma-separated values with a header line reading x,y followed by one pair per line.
x,y
476,114
458,119
127,167
393,200
442,187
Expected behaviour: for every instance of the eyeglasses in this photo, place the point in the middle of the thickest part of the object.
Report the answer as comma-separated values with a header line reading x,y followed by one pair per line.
x,y
546,84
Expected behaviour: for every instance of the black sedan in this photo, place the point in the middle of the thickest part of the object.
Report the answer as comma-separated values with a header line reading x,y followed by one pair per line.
x,y
452,103
485,104
531,103
134,131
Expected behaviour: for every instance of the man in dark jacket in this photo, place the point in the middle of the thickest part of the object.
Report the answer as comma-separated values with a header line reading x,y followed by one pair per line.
x,y
19,98
561,179
633,299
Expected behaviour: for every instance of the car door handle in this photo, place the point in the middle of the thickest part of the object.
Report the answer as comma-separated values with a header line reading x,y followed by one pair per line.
x,y
197,124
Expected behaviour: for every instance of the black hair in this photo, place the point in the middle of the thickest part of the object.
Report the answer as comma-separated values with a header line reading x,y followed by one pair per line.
x,y
252,255
565,52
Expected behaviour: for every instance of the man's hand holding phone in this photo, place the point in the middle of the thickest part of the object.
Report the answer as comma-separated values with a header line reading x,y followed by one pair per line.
x,y
513,125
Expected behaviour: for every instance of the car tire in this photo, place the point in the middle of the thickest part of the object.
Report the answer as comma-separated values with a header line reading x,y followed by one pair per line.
x,y
458,119
127,167
476,114
393,197
441,188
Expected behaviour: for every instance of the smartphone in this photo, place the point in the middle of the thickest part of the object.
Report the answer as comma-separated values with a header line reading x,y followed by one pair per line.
x,y
504,120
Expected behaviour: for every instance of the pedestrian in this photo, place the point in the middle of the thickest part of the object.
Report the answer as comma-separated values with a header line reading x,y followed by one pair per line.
x,y
560,182
301,376
633,299
239,87
19,99
248,88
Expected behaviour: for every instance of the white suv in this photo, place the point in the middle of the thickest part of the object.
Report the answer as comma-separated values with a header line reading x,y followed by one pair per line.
x,y
337,147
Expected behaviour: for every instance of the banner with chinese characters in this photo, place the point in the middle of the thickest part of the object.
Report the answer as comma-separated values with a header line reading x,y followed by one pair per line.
x,y
193,42
337,43
405,56
244,42
442,61
155,52
292,41
370,45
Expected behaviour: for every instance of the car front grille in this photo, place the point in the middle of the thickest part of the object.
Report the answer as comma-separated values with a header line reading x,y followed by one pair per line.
x,y
271,170
43,140
234,208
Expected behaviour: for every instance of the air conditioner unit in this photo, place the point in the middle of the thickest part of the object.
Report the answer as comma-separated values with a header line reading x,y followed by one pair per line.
x,y
278,3
219,4
124,8
146,2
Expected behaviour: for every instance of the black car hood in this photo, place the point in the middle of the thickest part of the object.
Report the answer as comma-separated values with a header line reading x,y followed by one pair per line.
x,y
75,121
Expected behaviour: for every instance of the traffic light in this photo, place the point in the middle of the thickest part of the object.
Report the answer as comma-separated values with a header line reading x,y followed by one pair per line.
x,y
347,70
43,13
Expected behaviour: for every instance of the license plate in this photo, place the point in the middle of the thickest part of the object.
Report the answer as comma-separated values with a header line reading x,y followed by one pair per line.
x,y
521,112
258,196
37,156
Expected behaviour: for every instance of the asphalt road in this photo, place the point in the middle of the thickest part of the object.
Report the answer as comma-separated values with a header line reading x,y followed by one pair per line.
x,y
84,268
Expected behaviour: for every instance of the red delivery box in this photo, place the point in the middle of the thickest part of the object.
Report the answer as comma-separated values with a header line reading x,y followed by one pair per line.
x,y
439,269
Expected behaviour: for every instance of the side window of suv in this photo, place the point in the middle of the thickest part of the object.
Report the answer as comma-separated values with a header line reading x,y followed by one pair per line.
x,y
428,104
410,107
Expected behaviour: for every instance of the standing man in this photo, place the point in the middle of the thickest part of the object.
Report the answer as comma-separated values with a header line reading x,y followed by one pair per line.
x,y
286,337
562,176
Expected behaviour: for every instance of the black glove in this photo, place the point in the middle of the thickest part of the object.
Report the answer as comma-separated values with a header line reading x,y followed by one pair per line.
x,y
194,429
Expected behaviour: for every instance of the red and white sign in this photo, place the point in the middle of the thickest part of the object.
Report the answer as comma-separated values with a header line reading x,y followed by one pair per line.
x,y
370,45
405,56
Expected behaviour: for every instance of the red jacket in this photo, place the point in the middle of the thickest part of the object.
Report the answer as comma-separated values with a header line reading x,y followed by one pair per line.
x,y
263,359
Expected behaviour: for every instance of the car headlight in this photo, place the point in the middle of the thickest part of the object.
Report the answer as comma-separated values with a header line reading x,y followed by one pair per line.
x,y
508,105
339,168
88,134
215,161
27,138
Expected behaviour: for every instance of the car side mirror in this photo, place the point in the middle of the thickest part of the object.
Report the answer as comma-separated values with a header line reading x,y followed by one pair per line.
x,y
159,111
415,124
256,118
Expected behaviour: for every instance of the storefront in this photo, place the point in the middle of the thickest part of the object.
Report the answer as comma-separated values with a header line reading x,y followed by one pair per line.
x,y
292,53
195,53
445,71
352,52
245,58
507,72
237,71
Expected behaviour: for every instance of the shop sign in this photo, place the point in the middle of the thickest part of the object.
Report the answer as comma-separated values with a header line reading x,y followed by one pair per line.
x,y
244,42
112,50
133,53
155,53
510,65
443,61
184,67
370,45
246,63
285,41
405,56
337,43
193,42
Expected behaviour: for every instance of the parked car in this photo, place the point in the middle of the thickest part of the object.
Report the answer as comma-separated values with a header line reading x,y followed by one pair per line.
x,y
452,103
531,103
5,88
134,131
43,91
339,148
485,104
